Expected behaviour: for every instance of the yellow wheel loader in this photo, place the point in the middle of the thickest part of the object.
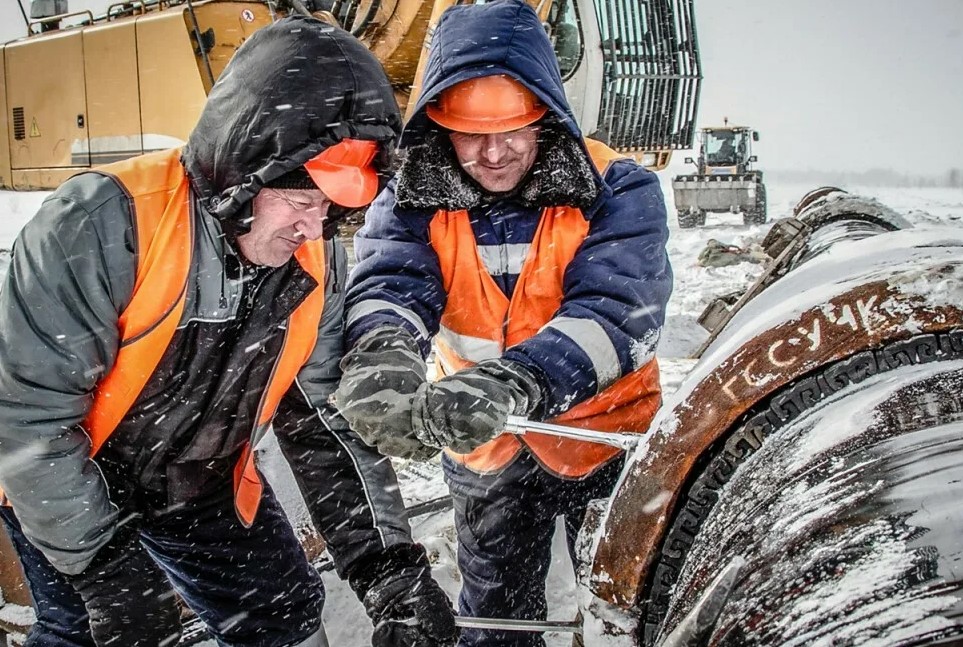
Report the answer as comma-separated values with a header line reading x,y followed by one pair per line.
x,y
81,90
724,181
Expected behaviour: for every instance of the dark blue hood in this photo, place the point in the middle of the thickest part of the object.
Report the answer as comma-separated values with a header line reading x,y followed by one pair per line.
x,y
502,37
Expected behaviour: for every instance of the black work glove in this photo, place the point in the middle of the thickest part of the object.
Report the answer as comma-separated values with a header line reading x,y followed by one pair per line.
x,y
379,377
129,599
469,408
406,605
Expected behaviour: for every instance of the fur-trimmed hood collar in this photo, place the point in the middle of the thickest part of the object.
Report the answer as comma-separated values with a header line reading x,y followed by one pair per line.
x,y
431,178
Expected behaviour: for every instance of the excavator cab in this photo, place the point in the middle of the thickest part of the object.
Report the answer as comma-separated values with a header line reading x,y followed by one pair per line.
x,y
727,149
637,85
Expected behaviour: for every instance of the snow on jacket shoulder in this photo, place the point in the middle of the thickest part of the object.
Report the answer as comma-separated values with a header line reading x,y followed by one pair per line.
x,y
617,284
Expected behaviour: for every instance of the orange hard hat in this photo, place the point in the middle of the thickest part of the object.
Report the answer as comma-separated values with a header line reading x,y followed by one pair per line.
x,y
488,104
344,172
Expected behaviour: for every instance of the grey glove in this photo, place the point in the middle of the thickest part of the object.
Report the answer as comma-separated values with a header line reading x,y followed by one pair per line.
x,y
469,408
380,375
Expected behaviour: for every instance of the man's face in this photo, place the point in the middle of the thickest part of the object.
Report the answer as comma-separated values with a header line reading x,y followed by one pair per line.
x,y
497,161
283,220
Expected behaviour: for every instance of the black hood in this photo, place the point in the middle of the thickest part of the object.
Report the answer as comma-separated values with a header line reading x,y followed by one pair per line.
x,y
294,88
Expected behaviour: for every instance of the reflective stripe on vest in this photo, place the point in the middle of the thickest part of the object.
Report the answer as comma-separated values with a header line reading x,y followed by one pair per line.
x,y
479,322
161,203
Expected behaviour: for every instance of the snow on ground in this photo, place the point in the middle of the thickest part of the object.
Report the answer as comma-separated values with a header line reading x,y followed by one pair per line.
x,y
695,287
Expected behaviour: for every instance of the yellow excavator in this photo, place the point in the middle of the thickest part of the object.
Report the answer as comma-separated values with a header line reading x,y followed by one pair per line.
x,y
80,90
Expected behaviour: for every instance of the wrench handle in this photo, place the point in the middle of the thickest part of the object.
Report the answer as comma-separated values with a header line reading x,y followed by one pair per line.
x,y
520,426
508,624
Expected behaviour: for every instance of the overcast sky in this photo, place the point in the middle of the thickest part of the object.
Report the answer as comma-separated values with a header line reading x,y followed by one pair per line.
x,y
834,84
838,84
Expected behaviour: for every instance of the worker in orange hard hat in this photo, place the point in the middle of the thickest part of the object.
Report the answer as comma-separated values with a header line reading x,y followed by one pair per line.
x,y
189,300
492,122
534,261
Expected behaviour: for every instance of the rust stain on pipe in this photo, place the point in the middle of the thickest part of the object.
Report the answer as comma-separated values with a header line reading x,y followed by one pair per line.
x,y
865,317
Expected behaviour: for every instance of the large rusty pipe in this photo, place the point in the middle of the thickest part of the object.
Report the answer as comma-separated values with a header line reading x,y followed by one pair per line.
x,y
881,296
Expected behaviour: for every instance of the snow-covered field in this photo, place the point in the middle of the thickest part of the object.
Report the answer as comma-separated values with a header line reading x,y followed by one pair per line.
x,y
695,287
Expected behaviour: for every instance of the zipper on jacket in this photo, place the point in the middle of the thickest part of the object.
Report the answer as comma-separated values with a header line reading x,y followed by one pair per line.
x,y
334,269
267,387
251,283
223,300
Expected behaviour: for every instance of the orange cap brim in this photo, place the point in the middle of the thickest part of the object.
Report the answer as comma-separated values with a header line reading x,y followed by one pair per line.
x,y
349,186
344,172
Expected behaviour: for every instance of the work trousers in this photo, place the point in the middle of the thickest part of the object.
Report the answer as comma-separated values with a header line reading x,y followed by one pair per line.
x,y
252,587
505,523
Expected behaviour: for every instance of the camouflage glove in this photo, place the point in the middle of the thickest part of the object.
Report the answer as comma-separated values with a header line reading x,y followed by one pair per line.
x,y
406,605
469,408
379,377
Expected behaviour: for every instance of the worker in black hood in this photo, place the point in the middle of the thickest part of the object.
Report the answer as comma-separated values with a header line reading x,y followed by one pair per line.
x,y
305,87
159,315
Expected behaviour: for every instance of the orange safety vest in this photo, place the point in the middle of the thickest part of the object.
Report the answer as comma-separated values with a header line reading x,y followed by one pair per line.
x,y
159,188
485,323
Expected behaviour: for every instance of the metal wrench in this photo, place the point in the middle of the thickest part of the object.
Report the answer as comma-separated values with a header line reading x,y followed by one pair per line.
x,y
508,624
519,426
